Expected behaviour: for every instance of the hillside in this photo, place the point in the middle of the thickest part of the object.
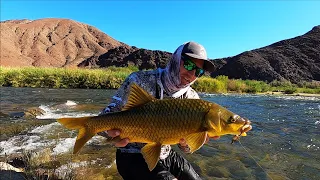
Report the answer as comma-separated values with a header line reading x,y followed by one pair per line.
x,y
66,43
296,59
51,43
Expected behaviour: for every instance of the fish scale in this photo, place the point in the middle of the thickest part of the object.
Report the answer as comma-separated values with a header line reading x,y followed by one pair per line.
x,y
156,122
164,119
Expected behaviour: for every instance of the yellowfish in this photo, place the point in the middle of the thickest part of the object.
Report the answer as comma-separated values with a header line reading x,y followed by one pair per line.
x,y
155,122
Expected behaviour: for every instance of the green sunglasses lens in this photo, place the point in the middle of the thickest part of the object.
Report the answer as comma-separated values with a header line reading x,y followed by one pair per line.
x,y
190,65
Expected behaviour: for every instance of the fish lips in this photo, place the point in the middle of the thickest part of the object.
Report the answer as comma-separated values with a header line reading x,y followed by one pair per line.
x,y
246,127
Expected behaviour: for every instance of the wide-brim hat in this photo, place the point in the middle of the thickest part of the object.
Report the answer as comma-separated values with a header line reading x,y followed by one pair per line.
x,y
197,51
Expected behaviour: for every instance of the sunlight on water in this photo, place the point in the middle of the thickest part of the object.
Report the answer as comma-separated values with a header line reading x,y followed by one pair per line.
x,y
64,145
56,113
22,143
284,141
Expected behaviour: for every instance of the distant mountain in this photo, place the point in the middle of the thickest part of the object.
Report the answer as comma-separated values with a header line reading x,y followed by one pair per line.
x,y
66,43
123,56
51,42
296,59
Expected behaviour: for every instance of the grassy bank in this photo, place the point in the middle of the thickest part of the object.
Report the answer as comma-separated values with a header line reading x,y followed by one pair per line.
x,y
64,78
222,84
112,77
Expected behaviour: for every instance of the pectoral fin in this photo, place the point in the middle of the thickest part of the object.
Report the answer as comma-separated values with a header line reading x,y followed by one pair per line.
x,y
196,140
151,153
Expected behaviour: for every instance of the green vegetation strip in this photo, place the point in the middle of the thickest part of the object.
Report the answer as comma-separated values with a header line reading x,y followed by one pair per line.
x,y
112,77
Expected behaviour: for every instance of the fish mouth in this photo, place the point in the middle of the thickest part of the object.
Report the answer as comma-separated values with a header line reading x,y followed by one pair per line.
x,y
246,126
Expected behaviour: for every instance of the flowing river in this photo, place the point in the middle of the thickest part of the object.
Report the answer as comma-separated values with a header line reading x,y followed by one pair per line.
x,y
283,144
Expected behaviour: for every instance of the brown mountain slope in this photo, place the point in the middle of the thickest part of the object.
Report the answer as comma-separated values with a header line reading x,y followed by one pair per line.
x,y
296,59
51,42
63,42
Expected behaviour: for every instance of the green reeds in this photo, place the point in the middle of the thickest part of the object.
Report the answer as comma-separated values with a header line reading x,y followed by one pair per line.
x,y
109,78
112,78
222,84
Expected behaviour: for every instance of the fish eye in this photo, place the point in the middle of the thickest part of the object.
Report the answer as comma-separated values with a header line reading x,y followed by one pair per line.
x,y
233,119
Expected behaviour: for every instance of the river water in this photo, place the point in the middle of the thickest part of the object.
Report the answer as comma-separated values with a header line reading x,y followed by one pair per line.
x,y
283,144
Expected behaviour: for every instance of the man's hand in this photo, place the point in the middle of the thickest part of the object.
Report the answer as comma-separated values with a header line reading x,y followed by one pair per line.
x,y
214,137
115,133
184,145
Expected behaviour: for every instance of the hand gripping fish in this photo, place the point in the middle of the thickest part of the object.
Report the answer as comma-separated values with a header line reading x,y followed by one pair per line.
x,y
156,122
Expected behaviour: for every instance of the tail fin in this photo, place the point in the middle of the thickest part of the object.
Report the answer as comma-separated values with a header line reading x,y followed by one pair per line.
x,y
85,133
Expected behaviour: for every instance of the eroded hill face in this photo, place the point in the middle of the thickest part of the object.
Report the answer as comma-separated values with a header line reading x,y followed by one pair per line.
x,y
51,43
296,59
67,43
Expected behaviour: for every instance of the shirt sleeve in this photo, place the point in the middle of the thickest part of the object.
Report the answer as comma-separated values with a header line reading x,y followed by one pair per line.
x,y
191,94
120,97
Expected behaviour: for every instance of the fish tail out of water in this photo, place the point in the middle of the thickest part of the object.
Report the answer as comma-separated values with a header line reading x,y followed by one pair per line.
x,y
84,135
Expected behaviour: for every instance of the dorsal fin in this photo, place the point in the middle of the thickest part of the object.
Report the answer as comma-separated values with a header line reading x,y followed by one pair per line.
x,y
137,96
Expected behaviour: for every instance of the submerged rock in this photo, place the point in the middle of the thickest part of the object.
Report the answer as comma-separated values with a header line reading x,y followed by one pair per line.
x,y
3,114
28,114
33,112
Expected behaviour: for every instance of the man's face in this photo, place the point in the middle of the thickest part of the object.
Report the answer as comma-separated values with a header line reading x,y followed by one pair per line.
x,y
187,76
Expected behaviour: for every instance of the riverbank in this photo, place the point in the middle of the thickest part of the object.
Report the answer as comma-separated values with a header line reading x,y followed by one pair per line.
x,y
294,94
112,78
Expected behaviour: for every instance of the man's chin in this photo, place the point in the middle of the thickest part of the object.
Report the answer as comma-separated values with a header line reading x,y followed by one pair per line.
x,y
184,84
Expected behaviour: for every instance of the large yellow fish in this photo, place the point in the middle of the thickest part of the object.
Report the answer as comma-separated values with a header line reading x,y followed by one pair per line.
x,y
156,122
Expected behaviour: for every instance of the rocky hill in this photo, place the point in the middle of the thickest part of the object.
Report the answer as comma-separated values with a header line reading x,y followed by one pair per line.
x,y
51,43
67,43
123,56
296,59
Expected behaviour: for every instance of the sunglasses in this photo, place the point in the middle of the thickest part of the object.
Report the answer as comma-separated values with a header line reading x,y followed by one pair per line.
x,y
189,65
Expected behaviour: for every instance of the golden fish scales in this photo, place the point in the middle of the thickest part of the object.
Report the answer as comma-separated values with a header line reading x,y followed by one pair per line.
x,y
161,122
165,121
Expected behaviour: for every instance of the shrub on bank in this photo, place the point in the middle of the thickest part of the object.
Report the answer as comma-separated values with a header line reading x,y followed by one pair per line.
x,y
210,85
63,78
112,78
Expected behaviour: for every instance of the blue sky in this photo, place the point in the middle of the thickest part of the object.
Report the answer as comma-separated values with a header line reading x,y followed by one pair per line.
x,y
225,28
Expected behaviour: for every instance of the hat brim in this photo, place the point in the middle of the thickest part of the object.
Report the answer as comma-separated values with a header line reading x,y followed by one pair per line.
x,y
208,65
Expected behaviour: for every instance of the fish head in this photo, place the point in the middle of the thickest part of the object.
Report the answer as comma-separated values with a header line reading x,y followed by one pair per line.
x,y
222,122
